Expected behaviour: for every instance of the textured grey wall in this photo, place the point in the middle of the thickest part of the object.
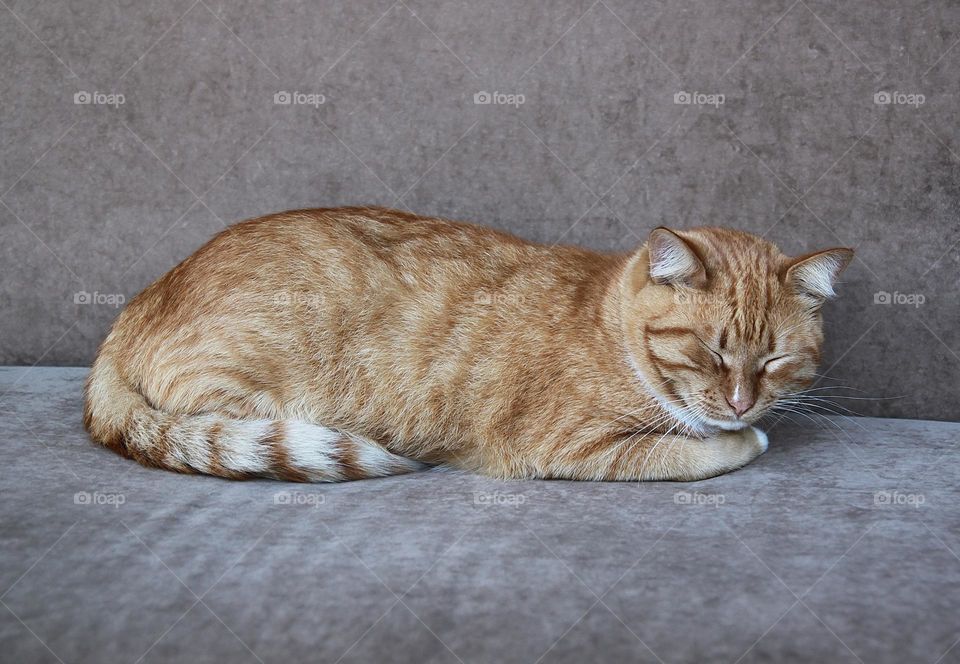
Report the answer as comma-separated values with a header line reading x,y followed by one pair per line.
x,y
593,147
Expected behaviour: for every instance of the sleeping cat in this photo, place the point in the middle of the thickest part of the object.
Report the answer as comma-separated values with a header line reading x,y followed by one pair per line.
x,y
339,344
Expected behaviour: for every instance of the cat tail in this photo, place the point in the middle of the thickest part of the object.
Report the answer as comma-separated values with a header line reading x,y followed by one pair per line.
x,y
118,417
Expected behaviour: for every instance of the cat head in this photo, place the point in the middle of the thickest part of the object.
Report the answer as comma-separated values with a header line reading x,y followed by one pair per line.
x,y
719,324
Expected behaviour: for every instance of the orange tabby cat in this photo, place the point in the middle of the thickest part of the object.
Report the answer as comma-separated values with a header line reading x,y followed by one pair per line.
x,y
337,344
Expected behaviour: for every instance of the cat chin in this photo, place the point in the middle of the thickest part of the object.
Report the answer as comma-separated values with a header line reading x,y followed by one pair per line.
x,y
696,424
705,426
700,425
729,426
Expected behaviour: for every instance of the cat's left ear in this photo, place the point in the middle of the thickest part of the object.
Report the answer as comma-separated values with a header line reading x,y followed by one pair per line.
x,y
815,274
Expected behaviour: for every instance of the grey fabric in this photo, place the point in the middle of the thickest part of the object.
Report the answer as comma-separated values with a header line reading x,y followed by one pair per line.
x,y
104,199
838,545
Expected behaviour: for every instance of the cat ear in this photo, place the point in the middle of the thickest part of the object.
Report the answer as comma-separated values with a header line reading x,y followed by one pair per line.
x,y
815,274
673,261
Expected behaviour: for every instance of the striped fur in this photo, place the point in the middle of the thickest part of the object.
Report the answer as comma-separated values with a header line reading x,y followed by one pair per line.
x,y
121,419
339,344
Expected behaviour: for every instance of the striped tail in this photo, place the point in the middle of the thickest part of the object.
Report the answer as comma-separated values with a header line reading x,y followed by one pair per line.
x,y
118,417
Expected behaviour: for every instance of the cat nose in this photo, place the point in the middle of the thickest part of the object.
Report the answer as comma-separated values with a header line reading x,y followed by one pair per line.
x,y
739,402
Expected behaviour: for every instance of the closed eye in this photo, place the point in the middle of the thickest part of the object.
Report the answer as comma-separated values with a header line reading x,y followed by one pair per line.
x,y
717,356
775,363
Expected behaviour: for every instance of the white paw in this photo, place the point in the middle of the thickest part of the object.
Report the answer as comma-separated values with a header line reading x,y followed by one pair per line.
x,y
761,439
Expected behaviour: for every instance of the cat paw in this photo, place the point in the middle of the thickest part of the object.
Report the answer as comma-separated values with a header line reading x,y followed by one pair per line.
x,y
760,438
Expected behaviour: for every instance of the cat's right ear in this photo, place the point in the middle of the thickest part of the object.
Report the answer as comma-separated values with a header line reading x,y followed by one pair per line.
x,y
673,261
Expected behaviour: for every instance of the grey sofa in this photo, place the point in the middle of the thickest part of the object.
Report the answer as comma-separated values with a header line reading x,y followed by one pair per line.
x,y
838,545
